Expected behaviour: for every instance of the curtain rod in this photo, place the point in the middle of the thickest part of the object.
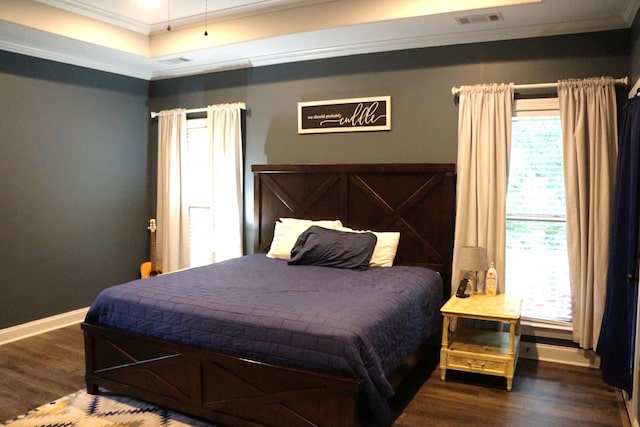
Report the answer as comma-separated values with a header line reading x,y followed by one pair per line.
x,y
621,81
242,105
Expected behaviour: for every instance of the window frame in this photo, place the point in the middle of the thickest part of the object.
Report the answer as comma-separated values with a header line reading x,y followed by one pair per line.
x,y
199,124
529,107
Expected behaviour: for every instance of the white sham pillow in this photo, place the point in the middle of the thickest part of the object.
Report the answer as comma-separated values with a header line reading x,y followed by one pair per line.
x,y
286,232
386,247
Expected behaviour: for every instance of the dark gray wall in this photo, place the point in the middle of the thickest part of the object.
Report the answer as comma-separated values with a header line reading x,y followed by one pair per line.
x,y
73,173
424,116
77,147
634,73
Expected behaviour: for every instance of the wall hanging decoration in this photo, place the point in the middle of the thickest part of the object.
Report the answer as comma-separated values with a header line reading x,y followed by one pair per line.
x,y
345,115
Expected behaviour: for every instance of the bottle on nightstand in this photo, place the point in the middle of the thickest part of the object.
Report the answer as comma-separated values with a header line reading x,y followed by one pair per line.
x,y
491,281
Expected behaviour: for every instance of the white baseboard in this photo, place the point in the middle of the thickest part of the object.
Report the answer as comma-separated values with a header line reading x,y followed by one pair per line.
x,y
40,326
528,350
631,411
559,354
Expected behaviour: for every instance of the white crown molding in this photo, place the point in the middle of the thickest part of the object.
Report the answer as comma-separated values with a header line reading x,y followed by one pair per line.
x,y
255,8
152,69
99,14
378,46
340,41
109,67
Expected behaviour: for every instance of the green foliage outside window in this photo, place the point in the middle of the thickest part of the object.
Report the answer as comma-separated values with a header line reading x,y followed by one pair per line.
x,y
536,264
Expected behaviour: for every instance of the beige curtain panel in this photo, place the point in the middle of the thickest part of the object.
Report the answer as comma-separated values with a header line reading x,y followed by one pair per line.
x,y
484,145
225,146
590,149
172,237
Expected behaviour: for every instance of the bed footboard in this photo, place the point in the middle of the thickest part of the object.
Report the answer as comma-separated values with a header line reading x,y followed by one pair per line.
x,y
215,387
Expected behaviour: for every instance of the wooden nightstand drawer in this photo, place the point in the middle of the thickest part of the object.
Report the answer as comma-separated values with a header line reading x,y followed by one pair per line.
x,y
476,364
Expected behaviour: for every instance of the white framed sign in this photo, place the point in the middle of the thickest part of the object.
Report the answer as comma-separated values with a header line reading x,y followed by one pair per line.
x,y
345,115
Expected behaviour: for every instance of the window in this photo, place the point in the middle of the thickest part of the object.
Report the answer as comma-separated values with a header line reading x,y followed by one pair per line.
x,y
537,265
199,193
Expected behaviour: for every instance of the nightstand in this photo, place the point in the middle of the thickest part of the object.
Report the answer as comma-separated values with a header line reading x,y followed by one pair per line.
x,y
491,352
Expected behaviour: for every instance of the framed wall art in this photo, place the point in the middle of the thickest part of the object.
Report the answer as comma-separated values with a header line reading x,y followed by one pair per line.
x,y
345,115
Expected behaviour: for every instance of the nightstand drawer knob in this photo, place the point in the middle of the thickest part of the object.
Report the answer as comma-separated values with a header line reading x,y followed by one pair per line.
x,y
475,365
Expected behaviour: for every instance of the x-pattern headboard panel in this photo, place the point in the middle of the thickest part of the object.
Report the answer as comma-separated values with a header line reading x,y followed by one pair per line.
x,y
416,199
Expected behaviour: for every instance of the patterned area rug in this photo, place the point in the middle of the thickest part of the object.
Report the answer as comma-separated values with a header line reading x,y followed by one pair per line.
x,y
84,410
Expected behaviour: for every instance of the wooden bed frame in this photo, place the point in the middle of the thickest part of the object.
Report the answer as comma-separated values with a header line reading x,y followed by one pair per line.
x,y
416,199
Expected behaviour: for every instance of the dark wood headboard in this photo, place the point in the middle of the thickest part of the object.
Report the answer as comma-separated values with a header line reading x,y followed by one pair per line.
x,y
416,199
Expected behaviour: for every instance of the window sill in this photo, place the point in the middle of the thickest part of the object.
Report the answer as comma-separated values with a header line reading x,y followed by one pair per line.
x,y
561,331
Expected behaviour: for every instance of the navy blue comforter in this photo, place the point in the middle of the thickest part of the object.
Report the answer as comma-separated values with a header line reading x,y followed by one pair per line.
x,y
358,323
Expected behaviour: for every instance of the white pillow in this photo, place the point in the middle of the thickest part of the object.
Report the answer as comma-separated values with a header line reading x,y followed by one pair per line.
x,y
386,247
286,232
332,224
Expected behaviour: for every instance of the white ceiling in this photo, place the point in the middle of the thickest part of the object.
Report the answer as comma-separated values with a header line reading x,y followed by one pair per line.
x,y
130,37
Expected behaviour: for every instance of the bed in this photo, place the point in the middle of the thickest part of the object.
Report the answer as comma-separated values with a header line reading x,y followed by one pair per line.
x,y
304,362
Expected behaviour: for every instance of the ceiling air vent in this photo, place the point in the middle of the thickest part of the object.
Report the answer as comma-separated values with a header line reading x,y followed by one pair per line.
x,y
479,19
173,61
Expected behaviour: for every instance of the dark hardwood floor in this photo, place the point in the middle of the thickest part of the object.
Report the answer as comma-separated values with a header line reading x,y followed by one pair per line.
x,y
39,369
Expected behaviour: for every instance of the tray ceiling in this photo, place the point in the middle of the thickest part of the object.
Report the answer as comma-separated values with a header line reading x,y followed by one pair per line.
x,y
130,37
